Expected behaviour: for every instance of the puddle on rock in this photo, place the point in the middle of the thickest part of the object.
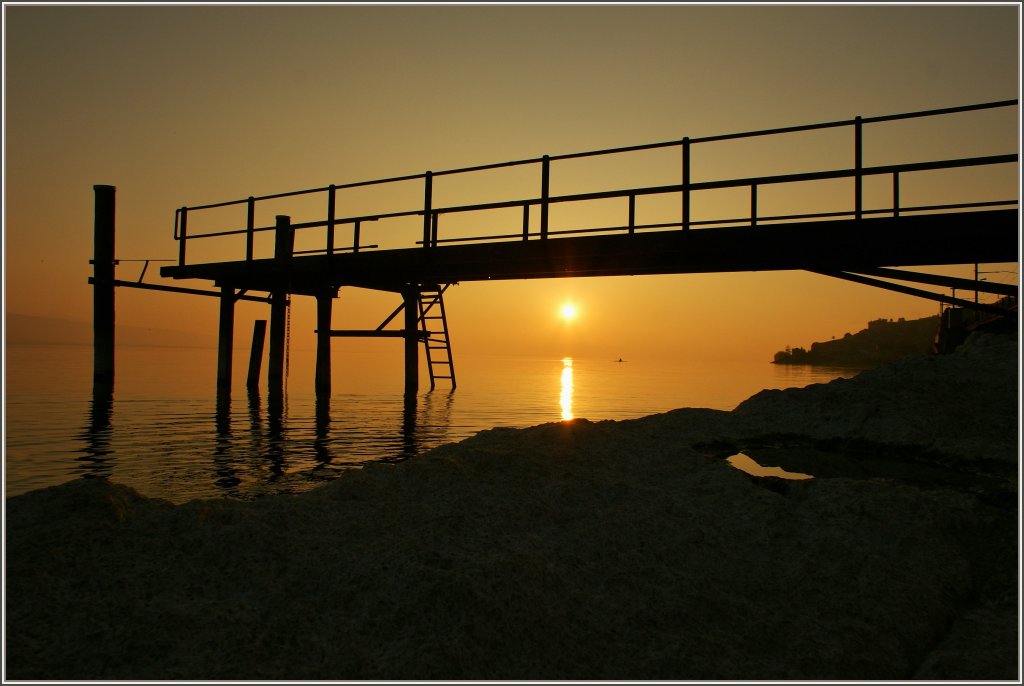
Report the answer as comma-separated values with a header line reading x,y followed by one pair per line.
x,y
800,462
746,464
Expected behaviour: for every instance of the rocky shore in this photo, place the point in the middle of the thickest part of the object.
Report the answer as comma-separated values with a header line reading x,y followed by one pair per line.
x,y
580,550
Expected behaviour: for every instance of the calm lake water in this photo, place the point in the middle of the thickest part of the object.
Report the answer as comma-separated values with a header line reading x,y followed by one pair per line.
x,y
164,432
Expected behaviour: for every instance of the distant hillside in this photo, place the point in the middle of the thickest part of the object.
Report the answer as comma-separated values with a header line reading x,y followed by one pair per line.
x,y
28,329
883,341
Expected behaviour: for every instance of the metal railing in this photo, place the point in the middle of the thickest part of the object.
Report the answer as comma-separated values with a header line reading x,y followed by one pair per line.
x,y
431,214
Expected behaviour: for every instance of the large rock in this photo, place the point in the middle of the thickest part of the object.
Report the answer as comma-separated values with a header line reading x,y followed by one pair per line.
x,y
963,404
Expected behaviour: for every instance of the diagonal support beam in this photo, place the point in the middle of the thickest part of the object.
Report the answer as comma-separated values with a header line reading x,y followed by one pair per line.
x,y
940,280
391,317
899,288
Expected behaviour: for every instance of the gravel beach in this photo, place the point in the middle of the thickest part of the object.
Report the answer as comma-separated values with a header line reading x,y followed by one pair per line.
x,y
579,550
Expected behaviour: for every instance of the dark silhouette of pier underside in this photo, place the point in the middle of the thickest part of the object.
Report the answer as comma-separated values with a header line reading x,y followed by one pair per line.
x,y
852,245
860,243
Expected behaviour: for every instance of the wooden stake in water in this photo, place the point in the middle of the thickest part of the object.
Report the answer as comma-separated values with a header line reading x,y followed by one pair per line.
x,y
259,334
103,287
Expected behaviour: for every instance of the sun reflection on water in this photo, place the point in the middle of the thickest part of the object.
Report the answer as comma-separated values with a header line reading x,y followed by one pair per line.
x,y
566,397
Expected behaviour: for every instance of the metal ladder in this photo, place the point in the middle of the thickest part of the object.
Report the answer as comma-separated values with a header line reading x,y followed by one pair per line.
x,y
436,341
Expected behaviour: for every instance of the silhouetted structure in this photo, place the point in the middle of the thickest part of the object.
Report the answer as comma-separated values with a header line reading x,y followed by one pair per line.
x,y
882,341
858,244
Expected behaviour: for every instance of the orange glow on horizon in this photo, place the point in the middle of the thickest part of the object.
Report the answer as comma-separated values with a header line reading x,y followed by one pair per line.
x,y
810,68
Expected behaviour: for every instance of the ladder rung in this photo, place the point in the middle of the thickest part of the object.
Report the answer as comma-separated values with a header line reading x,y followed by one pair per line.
x,y
438,376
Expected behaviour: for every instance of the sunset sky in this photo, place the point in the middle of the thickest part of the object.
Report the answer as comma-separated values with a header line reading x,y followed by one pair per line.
x,y
184,105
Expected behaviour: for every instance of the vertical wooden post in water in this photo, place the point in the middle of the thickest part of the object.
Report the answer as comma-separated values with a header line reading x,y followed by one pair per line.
x,y
103,287
323,342
412,347
259,334
283,243
275,363
225,338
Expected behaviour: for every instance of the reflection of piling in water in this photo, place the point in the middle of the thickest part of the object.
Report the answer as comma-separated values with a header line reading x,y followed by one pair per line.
x,y
255,420
435,417
95,455
322,430
222,418
275,431
226,475
410,444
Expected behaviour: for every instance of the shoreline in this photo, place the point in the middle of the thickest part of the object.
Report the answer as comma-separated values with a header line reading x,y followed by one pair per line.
x,y
579,550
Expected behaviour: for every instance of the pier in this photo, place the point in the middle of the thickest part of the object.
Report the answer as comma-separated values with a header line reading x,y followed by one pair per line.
x,y
859,243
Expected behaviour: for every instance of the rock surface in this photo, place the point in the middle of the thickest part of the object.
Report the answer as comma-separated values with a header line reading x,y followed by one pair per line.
x,y
579,550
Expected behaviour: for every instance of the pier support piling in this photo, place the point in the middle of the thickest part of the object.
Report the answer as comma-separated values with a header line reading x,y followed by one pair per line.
x,y
412,349
324,302
103,286
225,338
275,363
259,335
284,237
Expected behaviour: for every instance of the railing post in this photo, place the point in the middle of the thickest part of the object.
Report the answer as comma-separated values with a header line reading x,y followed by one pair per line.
x,y
632,212
545,187
686,183
858,163
182,236
428,182
355,237
250,224
330,219
753,204
433,230
895,194
526,221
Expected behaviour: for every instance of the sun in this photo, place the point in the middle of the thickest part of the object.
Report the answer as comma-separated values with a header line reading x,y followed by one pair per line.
x,y
568,312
